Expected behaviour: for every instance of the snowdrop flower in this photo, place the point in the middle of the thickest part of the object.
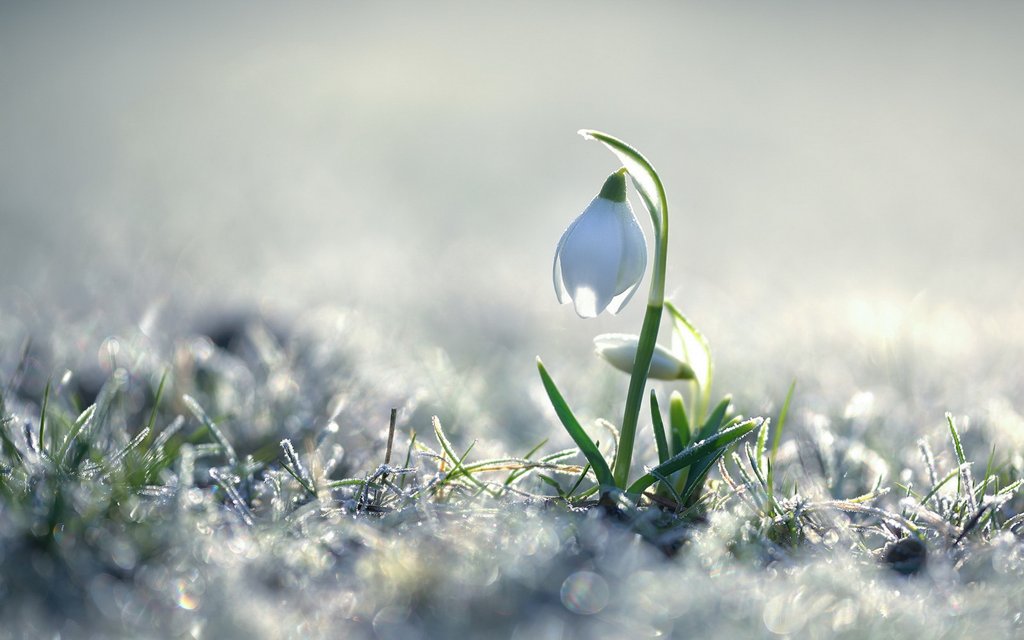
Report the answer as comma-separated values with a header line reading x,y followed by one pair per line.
x,y
602,256
619,349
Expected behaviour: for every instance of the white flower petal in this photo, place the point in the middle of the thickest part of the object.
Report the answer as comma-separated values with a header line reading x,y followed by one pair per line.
x,y
560,291
634,251
590,257
620,301
634,261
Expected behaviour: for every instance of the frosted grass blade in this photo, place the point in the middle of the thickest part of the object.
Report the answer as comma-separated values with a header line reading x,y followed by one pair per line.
x,y
695,452
218,435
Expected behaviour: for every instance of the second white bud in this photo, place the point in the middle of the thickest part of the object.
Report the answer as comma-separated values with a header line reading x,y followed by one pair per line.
x,y
619,350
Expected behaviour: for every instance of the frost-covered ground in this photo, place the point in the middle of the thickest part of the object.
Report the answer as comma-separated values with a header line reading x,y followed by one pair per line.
x,y
181,547
301,219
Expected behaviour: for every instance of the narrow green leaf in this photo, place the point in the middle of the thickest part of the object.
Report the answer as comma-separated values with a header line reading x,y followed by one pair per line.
x,y
42,416
293,465
679,421
762,440
579,481
95,414
692,478
552,482
527,468
449,449
755,463
960,456
777,438
458,469
495,464
576,432
689,341
696,451
83,421
955,473
667,485
989,471
111,464
698,473
408,455
151,425
659,429
1010,488
535,449
513,475
344,482
955,435
714,422
298,478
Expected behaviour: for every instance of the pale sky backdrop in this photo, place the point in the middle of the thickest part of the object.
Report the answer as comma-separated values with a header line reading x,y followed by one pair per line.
x,y
421,157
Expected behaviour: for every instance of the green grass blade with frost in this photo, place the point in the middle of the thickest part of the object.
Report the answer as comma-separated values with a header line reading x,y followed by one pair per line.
x,y
695,452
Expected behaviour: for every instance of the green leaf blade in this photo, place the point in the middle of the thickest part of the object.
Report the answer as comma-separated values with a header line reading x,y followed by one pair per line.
x,y
695,452
715,420
576,432
696,349
660,441
679,421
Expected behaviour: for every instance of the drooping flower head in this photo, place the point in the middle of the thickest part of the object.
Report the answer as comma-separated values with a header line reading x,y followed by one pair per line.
x,y
602,256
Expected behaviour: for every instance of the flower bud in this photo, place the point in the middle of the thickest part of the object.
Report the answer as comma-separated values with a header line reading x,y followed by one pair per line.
x,y
619,350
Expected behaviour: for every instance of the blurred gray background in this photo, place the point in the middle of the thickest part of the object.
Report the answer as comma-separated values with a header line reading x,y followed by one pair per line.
x,y
419,160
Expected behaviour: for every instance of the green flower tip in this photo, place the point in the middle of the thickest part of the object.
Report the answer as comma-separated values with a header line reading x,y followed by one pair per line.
x,y
614,188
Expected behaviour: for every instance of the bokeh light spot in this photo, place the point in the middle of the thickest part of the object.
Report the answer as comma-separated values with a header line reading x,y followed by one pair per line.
x,y
585,593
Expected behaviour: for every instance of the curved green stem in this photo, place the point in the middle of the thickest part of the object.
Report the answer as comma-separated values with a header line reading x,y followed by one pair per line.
x,y
652,192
